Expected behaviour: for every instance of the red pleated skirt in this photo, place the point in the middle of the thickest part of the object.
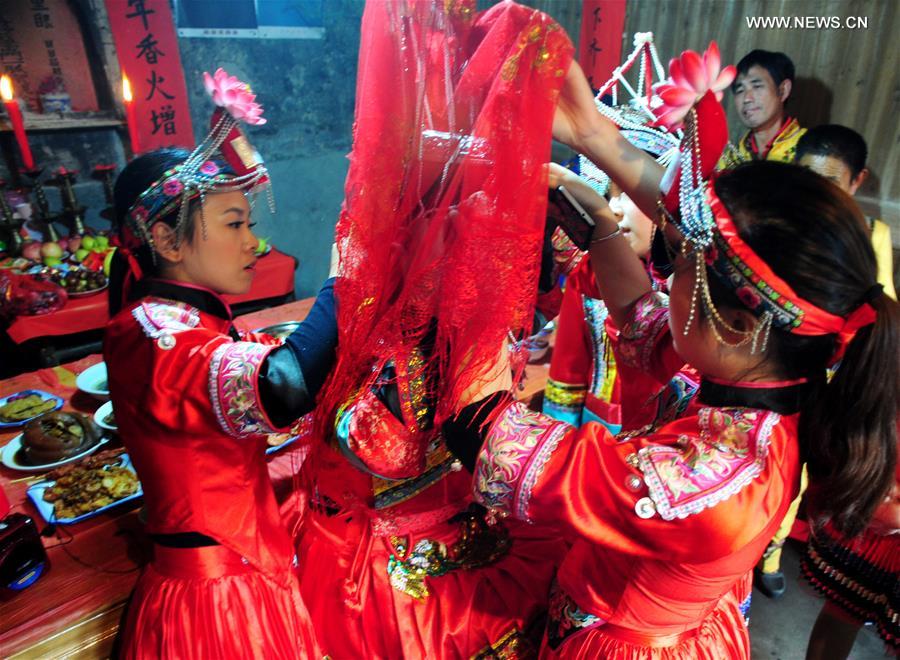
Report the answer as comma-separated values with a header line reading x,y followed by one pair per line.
x,y
721,635
207,603
494,610
860,576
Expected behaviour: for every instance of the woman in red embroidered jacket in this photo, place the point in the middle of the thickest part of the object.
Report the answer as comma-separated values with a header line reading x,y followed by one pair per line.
x,y
667,527
194,401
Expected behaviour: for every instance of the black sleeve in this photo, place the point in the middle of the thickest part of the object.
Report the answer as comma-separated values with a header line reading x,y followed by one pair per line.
x,y
292,374
465,432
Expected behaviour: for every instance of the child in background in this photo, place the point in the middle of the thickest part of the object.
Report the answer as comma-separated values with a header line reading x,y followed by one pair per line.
x,y
194,401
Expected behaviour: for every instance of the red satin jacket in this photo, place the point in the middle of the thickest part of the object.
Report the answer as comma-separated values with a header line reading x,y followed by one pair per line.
x,y
186,399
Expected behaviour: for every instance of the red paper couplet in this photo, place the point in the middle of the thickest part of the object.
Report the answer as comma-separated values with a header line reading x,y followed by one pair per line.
x,y
147,47
600,44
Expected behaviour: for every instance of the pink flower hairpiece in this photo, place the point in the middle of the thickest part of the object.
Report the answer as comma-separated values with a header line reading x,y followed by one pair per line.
x,y
690,78
234,96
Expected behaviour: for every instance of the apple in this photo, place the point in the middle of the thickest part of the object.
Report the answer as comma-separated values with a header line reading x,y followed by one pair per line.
x,y
101,243
32,251
262,246
88,242
81,253
51,249
63,244
52,261
74,243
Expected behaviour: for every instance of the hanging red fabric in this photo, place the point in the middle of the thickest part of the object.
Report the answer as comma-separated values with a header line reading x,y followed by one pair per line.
x,y
446,193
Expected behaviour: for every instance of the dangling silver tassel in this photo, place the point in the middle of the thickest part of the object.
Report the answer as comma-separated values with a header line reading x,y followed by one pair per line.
x,y
203,214
762,329
270,197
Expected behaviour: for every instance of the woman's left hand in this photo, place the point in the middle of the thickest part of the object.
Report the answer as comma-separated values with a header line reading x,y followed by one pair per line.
x,y
576,119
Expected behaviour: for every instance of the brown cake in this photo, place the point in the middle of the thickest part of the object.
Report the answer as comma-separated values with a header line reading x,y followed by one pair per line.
x,y
58,436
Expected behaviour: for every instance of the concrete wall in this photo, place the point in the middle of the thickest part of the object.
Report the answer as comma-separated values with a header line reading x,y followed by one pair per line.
x,y
307,87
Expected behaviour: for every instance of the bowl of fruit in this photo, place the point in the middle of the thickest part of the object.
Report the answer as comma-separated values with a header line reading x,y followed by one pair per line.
x,y
76,280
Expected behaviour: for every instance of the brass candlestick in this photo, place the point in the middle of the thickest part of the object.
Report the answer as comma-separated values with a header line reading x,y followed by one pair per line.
x,y
105,173
43,208
10,224
73,211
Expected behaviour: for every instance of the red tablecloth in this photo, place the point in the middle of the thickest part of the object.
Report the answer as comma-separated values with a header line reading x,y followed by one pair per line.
x,y
274,278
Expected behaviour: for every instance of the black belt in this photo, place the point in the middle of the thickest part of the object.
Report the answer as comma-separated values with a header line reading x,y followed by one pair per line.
x,y
184,540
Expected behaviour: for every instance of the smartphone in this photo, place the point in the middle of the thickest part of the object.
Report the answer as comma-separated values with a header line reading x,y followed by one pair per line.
x,y
569,215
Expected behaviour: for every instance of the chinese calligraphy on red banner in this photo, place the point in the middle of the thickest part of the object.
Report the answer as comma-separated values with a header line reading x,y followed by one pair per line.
x,y
144,34
600,45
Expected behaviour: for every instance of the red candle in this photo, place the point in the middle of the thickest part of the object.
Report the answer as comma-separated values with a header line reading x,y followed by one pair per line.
x,y
130,116
15,117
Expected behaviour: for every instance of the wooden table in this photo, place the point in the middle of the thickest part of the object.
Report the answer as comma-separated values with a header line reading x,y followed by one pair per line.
x,y
74,610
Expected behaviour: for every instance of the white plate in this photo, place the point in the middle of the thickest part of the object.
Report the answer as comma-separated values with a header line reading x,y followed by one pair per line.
x,y
36,494
94,381
102,412
10,458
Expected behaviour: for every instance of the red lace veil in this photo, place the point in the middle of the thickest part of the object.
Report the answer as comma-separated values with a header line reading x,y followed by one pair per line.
x,y
446,192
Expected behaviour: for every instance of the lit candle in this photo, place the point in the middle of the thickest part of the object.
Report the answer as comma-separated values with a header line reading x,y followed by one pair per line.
x,y
130,115
15,117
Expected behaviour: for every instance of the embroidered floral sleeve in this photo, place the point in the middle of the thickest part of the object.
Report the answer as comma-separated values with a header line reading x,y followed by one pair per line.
x,y
233,390
518,445
639,336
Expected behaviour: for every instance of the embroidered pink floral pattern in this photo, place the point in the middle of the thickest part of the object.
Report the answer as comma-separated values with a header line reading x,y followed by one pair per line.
x,y
172,187
638,337
232,388
157,317
518,447
748,296
697,473
209,168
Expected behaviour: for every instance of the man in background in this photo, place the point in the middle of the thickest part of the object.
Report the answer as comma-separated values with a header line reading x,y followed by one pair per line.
x,y
761,90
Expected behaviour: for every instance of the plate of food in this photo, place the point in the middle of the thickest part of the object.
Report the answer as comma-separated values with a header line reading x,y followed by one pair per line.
x,y
50,441
94,381
21,407
104,417
83,490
